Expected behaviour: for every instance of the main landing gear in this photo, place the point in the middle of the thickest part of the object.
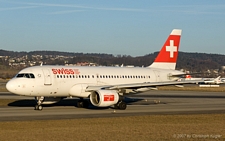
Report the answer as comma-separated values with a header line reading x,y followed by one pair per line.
x,y
121,105
82,103
39,100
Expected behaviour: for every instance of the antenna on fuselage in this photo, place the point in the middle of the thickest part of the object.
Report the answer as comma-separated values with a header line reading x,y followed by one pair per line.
x,y
41,64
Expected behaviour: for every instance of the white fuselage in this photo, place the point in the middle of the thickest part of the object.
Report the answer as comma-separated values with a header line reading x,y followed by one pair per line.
x,y
64,81
103,86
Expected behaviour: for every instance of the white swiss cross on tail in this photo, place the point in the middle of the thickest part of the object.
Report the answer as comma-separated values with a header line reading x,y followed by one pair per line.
x,y
171,48
167,57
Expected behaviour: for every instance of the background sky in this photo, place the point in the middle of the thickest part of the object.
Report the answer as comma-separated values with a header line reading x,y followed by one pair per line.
x,y
126,27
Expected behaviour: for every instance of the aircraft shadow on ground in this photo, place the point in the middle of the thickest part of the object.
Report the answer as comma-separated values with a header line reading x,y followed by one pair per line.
x,y
64,103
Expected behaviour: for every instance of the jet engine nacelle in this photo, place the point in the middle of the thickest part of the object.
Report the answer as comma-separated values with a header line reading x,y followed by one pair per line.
x,y
104,98
48,100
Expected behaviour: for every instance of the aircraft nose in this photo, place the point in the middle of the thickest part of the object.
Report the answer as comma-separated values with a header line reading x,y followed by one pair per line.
x,y
10,86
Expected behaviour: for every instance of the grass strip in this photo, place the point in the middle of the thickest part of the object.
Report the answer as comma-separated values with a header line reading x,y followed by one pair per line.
x,y
154,127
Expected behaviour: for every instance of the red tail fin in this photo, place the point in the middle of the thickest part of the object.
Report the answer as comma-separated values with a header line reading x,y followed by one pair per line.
x,y
167,57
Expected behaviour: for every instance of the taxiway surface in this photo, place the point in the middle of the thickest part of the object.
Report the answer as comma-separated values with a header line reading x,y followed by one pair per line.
x,y
153,102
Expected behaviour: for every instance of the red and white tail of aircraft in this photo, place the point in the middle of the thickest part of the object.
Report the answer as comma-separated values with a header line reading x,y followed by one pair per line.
x,y
102,86
167,57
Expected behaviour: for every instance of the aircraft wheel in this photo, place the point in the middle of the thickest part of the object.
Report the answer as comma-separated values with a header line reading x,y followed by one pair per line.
x,y
36,107
40,107
122,105
85,104
116,106
80,104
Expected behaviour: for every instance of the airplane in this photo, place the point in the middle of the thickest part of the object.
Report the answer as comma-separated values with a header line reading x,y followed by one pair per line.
x,y
101,86
213,81
216,80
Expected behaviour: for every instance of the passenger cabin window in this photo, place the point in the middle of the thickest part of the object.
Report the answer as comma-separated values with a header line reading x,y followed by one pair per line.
x,y
25,75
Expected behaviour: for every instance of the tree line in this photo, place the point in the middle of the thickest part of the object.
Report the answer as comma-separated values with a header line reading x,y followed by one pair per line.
x,y
193,62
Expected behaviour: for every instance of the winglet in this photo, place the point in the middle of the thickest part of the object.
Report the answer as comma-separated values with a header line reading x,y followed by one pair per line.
x,y
167,56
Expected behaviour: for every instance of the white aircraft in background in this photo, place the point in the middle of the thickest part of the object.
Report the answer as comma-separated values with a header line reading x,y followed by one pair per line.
x,y
216,80
213,80
104,86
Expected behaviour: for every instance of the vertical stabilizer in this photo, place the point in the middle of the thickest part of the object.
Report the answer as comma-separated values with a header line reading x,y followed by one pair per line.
x,y
167,57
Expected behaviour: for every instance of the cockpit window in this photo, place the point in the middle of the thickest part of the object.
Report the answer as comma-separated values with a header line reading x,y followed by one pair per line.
x,y
26,75
20,75
32,75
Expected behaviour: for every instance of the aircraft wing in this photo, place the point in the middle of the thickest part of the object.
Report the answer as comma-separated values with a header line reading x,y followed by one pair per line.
x,y
142,85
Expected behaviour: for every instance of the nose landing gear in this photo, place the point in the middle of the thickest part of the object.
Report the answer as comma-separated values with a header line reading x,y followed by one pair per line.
x,y
38,107
39,100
